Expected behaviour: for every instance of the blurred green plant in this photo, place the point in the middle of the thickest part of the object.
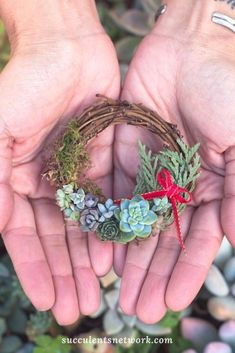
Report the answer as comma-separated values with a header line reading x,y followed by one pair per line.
x,y
171,319
127,26
19,321
47,344
111,28
180,344
138,348
12,317
18,293
38,324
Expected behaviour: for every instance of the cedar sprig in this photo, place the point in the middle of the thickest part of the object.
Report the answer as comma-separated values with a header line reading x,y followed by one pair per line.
x,y
146,175
183,166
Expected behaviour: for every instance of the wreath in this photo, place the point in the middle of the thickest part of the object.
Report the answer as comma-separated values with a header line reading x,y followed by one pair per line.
x,y
164,182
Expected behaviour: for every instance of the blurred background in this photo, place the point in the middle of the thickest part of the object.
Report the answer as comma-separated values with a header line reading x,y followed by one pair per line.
x,y
207,326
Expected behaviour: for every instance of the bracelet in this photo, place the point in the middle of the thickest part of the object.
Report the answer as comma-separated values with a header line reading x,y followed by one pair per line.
x,y
223,20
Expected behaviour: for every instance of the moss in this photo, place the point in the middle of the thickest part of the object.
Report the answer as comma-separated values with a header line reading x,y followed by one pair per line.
x,y
70,160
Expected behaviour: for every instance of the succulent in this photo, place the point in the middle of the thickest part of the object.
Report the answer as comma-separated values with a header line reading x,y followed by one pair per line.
x,y
89,219
7,301
38,324
18,293
117,324
10,344
46,344
78,198
109,230
135,217
72,213
62,199
63,196
71,202
106,210
68,189
133,24
91,200
161,205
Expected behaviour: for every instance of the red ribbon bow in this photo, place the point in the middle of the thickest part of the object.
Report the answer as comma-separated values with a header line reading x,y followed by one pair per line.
x,y
174,193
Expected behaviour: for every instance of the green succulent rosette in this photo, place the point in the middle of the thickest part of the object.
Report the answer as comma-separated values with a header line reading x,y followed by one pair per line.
x,y
135,217
109,230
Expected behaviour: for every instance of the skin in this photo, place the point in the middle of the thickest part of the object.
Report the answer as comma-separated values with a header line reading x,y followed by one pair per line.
x,y
182,70
185,71
46,82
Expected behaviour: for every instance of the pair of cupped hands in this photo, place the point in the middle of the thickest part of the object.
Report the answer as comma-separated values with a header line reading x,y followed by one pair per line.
x,y
190,81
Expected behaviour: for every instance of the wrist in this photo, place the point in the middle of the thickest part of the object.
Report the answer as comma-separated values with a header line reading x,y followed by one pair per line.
x,y
191,20
41,21
196,15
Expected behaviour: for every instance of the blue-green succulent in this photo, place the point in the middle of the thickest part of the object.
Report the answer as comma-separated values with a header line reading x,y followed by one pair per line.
x,y
63,196
90,219
68,189
72,213
106,210
91,200
160,206
71,202
136,217
78,199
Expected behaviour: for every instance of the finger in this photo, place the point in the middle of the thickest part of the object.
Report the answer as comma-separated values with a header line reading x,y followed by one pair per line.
x,y
228,203
100,151
138,258
151,306
24,247
124,175
86,281
202,243
101,255
6,194
51,230
126,162
119,258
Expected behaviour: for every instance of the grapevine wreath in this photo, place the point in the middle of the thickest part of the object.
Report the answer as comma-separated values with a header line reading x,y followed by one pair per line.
x,y
164,181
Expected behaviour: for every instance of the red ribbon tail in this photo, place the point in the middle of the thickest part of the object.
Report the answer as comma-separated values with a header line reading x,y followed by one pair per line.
x,y
117,202
177,223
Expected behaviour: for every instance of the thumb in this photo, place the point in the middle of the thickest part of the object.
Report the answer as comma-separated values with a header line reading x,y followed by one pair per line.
x,y
6,193
228,204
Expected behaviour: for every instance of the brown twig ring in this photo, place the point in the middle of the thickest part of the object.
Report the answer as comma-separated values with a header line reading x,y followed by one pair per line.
x,y
82,200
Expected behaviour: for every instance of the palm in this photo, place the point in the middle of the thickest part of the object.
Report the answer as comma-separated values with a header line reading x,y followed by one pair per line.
x,y
47,89
194,89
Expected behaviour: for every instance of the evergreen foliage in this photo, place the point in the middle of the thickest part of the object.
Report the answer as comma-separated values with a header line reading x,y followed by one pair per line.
x,y
183,166
146,175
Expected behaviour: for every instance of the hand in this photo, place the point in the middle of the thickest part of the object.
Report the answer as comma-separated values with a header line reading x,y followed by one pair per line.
x,y
54,72
185,71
